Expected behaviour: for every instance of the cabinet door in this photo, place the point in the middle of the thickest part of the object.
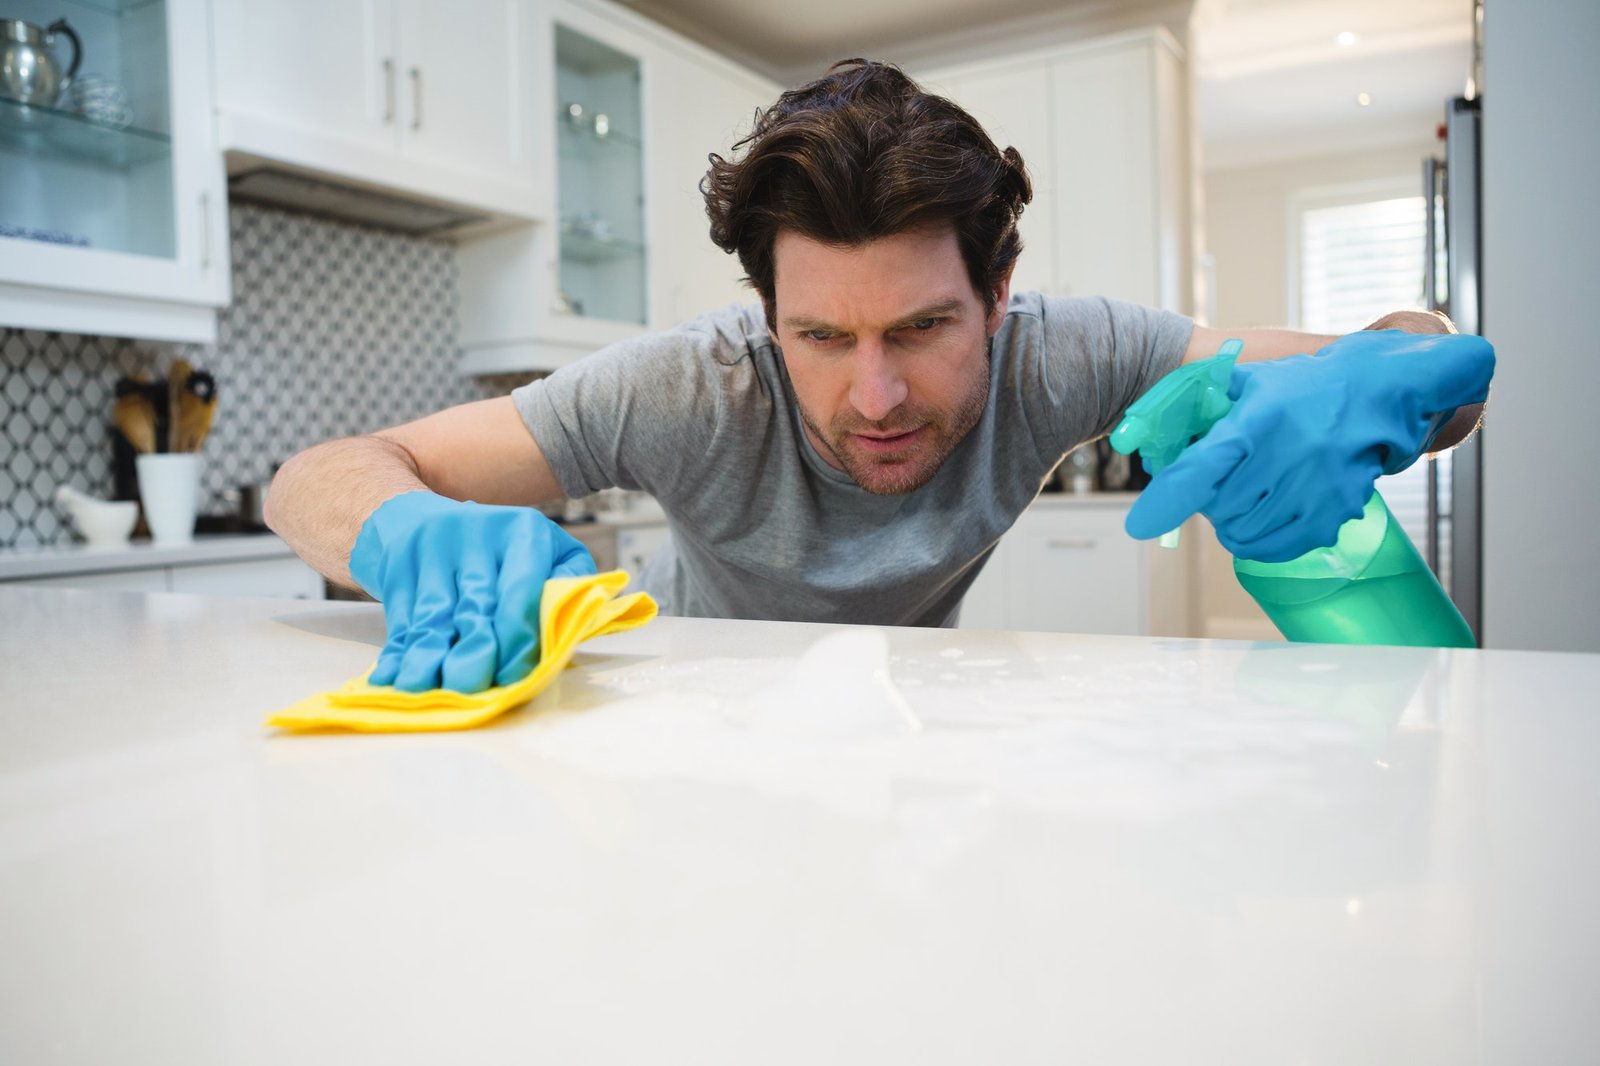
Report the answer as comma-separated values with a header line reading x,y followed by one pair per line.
x,y
1078,572
280,578
637,545
462,82
1108,214
1014,108
692,110
154,580
321,69
116,192
988,602
601,146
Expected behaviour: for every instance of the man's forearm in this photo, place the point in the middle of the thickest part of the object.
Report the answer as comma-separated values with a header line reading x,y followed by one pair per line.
x,y
320,498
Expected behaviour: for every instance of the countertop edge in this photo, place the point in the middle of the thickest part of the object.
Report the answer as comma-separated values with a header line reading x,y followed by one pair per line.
x,y
79,559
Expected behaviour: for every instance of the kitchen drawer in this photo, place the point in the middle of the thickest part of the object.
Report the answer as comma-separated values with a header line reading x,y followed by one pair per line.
x,y
1068,566
637,545
287,578
114,581
601,540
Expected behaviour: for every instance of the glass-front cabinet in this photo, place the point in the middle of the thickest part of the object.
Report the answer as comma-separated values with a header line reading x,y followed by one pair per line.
x,y
112,205
600,180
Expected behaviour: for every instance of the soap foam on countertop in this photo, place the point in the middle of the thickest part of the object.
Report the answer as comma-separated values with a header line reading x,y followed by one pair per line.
x,y
848,724
840,688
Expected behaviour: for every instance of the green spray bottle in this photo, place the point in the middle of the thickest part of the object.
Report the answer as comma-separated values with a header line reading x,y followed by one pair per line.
x,y
1370,587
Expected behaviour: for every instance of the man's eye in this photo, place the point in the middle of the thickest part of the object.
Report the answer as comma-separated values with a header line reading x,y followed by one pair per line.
x,y
818,336
923,325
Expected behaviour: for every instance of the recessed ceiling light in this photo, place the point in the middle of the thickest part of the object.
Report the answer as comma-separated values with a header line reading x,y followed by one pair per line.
x,y
1346,39
1363,99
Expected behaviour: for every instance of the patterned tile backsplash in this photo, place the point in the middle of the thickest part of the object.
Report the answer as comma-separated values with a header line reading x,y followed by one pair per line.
x,y
334,329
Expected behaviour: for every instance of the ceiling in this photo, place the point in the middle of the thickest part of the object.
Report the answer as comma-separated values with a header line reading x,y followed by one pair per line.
x,y
1272,75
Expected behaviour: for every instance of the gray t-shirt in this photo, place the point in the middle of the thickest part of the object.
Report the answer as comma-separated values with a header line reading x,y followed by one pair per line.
x,y
703,418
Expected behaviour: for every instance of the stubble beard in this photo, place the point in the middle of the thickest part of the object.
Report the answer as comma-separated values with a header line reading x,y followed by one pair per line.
x,y
898,474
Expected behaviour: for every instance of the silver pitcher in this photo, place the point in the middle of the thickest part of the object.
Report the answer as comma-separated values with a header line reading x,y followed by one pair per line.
x,y
30,73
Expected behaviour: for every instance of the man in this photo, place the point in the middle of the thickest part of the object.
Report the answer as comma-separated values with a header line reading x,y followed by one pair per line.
x,y
851,449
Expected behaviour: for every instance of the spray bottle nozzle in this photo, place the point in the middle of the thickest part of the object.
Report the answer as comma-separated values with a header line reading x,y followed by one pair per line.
x,y
1178,409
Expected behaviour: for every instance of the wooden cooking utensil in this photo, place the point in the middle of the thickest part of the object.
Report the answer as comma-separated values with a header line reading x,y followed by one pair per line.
x,y
196,406
177,377
135,416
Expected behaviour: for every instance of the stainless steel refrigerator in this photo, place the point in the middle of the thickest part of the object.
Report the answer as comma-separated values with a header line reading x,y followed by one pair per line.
x,y
1453,283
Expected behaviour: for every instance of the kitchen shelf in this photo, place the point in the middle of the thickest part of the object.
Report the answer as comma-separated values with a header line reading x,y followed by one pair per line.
x,y
583,145
587,249
52,133
113,7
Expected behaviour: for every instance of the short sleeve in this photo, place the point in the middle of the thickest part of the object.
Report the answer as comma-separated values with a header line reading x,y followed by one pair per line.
x,y
634,415
1095,357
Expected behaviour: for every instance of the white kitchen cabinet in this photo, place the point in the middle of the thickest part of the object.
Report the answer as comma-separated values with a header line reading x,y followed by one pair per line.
x,y
600,197
1068,566
324,68
112,207
1014,107
637,545
694,109
288,578
213,565
1101,125
541,296
111,581
281,576
423,98
1119,166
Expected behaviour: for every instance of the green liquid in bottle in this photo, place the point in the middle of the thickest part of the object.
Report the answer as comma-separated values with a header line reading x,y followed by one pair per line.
x,y
1370,587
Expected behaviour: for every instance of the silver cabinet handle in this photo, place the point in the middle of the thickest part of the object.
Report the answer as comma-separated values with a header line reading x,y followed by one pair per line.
x,y
416,98
388,90
205,231
1070,544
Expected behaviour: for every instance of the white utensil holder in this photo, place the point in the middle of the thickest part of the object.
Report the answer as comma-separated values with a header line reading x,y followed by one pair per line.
x,y
169,488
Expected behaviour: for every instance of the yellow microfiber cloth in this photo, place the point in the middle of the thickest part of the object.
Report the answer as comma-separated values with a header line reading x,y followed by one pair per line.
x,y
571,610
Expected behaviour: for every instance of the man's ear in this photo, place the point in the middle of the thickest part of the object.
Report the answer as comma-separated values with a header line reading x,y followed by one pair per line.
x,y
1002,297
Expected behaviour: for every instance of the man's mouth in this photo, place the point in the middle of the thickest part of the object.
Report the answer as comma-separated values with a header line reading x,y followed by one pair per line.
x,y
878,443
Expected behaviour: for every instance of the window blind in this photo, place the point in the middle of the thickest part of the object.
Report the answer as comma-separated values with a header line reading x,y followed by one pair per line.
x,y
1359,261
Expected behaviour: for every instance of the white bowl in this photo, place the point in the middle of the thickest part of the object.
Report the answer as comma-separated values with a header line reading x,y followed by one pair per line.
x,y
103,523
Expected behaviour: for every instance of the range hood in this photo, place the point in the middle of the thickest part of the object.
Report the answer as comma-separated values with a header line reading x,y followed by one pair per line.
x,y
298,191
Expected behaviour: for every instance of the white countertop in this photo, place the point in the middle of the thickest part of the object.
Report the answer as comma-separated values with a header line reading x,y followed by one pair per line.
x,y
724,842
139,555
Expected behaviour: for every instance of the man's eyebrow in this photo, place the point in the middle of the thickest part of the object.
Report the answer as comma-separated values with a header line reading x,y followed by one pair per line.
x,y
943,307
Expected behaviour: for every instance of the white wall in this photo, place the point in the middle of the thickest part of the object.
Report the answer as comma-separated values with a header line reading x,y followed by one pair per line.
x,y
1247,220
1541,222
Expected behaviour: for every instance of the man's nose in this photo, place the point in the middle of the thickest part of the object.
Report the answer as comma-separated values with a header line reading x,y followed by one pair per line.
x,y
878,386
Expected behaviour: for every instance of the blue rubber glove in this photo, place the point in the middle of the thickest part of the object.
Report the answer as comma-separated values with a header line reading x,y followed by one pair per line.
x,y
1308,436
460,586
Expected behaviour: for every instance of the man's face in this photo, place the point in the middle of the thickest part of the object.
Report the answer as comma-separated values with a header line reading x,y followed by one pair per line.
x,y
887,346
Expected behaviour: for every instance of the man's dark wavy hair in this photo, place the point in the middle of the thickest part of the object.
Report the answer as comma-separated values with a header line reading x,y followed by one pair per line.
x,y
859,154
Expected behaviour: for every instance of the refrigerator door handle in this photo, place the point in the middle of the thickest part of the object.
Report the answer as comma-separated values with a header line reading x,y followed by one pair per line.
x,y
1430,273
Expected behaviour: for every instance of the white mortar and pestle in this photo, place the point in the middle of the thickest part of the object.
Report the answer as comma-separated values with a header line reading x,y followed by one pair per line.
x,y
103,523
